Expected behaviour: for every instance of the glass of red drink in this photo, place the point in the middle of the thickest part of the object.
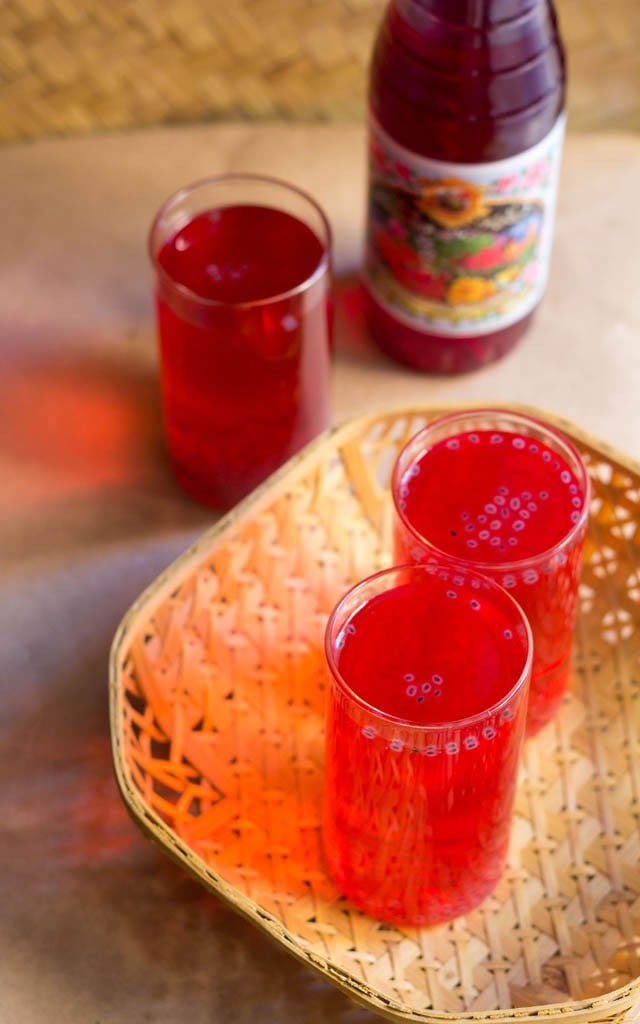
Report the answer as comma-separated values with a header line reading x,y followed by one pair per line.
x,y
242,275
507,495
429,667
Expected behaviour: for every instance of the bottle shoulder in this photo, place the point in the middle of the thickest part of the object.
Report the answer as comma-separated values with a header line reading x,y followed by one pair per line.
x,y
478,94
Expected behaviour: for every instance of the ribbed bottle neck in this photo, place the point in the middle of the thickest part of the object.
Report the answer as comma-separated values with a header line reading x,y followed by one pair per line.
x,y
446,39
470,14
503,80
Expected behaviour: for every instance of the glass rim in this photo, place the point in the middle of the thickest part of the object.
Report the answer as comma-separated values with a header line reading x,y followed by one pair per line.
x,y
513,564
323,266
426,727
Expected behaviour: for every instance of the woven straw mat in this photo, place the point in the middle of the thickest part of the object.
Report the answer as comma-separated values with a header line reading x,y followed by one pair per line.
x,y
217,691
71,67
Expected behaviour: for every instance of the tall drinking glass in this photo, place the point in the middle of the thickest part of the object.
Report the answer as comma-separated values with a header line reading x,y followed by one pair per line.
x,y
242,274
429,669
506,495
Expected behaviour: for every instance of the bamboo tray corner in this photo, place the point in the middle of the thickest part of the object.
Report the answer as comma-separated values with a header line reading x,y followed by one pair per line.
x,y
216,700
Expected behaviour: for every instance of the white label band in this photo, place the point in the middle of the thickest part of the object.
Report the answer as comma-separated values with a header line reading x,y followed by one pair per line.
x,y
459,249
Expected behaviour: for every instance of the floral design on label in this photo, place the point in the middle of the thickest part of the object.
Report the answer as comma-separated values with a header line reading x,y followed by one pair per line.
x,y
454,247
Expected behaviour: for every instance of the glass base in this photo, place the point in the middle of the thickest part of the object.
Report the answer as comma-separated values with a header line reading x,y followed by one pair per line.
x,y
408,900
218,492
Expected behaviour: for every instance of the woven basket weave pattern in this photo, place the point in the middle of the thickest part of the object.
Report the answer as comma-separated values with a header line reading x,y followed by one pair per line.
x,y
74,66
218,686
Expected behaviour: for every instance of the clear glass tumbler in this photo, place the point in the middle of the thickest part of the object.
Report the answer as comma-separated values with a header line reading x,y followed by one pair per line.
x,y
429,670
242,287
507,495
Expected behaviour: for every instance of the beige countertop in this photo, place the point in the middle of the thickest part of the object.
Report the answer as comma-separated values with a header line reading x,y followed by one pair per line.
x,y
96,924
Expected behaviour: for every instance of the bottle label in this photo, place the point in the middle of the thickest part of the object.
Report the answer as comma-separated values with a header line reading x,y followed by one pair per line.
x,y
459,249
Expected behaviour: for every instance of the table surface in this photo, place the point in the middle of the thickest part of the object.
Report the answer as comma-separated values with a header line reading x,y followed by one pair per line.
x,y
97,925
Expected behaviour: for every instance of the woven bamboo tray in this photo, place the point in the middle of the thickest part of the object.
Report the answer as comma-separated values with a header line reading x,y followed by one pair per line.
x,y
217,688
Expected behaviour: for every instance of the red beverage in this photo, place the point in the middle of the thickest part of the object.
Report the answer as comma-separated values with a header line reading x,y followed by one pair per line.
x,y
466,103
426,718
243,318
513,506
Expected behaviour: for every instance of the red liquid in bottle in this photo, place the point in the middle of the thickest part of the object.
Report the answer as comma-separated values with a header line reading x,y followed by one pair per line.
x,y
505,503
417,823
455,263
245,378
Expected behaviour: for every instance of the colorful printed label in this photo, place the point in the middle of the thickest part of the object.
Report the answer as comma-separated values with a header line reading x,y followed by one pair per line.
x,y
460,248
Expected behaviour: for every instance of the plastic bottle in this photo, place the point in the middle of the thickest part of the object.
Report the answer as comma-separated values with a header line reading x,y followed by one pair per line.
x,y
467,120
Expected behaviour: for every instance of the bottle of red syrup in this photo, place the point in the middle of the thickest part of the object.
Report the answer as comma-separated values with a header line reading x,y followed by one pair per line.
x,y
467,117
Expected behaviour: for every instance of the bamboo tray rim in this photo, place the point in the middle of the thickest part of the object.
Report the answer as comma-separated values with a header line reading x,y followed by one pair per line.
x,y
618,1000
